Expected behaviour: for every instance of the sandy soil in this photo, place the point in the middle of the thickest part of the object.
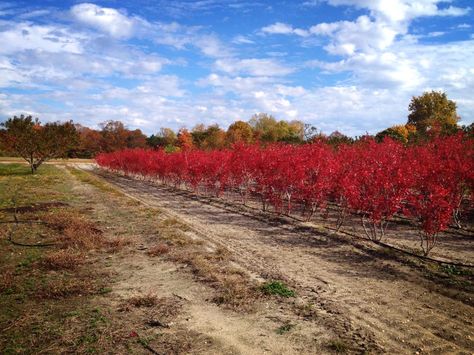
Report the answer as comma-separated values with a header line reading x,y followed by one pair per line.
x,y
207,327
371,300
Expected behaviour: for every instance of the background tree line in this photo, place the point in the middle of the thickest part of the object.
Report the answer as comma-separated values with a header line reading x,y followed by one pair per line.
x,y
430,114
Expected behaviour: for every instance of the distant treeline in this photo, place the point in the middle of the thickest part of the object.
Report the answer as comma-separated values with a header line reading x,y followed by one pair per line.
x,y
430,114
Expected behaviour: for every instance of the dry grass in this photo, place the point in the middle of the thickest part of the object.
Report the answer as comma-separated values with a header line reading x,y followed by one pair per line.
x,y
148,300
58,288
158,249
65,259
177,238
222,254
161,310
233,286
117,244
182,341
234,292
168,308
171,222
75,231
33,208
7,280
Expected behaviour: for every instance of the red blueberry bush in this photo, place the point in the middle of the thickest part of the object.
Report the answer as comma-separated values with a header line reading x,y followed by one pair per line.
x,y
429,183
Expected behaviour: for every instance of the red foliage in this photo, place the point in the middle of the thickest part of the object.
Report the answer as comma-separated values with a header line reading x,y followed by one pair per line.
x,y
427,182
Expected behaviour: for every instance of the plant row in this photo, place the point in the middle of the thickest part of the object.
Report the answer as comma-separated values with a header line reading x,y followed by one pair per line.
x,y
431,183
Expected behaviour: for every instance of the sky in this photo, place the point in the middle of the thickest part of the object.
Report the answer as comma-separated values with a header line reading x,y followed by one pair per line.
x,y
346,65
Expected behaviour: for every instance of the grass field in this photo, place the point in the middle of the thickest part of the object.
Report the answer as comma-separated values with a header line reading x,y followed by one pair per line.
x,y
53,161
101,263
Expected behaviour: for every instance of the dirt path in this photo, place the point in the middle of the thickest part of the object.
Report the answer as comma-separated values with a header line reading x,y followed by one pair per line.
x,y
202,327
369,300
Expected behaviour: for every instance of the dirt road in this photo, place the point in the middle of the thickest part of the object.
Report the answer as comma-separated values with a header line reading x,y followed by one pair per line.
x,y
370,299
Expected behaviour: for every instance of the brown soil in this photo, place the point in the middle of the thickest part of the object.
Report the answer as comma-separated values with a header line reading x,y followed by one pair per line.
x,y
352,295
201,326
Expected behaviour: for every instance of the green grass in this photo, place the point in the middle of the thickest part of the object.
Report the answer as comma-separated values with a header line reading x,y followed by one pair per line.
x,y
30,323
277,288
19,187
454,270
285,328
95,181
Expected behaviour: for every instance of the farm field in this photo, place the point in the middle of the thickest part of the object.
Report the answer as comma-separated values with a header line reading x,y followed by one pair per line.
x,y
222,177
180,273
371,298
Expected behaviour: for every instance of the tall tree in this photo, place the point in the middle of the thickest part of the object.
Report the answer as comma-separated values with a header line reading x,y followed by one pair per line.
x,y
239,132
432,110
215,138
199,134
185,140
164,138
268,129
89,142
114,136
136,139
37,143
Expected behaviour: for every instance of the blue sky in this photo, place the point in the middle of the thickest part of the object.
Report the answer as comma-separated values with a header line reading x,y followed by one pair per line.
x,y
347,65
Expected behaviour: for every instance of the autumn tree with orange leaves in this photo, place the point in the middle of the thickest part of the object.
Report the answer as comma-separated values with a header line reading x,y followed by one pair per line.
x,y
37,143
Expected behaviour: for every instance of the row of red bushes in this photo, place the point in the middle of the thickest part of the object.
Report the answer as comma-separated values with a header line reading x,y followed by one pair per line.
x,y
429,183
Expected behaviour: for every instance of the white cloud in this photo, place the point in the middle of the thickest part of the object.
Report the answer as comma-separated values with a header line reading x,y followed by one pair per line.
x,y
9,76
436,34
252,66
349,37
239,85
105,19
242,40
403,10
453,11
211,46
284,29
26,36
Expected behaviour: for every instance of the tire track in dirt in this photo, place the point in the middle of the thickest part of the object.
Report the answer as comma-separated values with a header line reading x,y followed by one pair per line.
x,y
372,303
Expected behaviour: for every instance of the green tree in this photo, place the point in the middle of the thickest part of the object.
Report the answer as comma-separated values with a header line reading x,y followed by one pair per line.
x,y
38,143
199,135
165,138
239,132
211,137
398,132
432,110
268,129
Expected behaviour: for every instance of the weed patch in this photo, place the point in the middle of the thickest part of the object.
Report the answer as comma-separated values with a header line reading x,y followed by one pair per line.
x,y
74,231
277,288
65,259
62,287
158,249
148,300
114,245
454,270
285,328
